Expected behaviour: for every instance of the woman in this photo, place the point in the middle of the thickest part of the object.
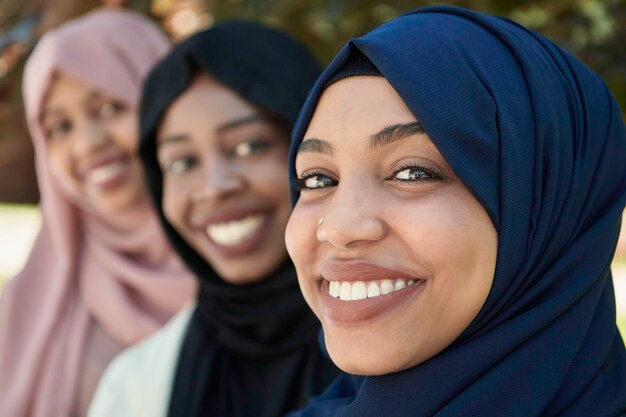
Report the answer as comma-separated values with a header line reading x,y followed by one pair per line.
x,y
458,201
101,275
216,118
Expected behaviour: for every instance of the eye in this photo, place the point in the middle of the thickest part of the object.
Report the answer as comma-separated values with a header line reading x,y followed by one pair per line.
x,y
249,148
415,174
314,181
59,129
181,165
109,109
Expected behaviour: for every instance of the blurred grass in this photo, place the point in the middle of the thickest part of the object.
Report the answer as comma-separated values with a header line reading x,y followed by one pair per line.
x,y
620,260
620,263
19,225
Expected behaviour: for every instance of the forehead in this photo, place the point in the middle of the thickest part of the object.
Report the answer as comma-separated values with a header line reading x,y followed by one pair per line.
x,y
206,103
357,107
64,90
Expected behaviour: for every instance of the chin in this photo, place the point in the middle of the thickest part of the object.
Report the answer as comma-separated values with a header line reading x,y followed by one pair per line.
x,y
241,279
367,356
119,202
240,272
360,366
379,365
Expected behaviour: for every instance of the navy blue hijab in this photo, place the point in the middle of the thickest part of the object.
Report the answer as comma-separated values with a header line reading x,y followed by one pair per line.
x,y
539,140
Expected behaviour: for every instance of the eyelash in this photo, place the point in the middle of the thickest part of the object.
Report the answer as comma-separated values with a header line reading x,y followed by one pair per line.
x,y
431,172
188,161
58,129
300,184
255,146
62,127
99,110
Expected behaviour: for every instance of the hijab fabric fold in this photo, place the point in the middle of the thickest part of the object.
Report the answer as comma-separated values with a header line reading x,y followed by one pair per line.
x,y
250,350
85,269
540,141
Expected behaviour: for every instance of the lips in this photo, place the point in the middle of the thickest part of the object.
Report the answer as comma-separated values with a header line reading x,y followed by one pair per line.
x,y
107,173
353,293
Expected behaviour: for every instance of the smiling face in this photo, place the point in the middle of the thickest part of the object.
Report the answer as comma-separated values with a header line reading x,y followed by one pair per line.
x,y
404,257
225,182
91,142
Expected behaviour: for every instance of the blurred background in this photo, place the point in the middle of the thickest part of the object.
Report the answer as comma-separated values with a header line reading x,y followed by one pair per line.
x,y
593,30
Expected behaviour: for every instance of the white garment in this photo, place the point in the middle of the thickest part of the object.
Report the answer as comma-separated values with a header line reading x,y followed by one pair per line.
x,y
138,382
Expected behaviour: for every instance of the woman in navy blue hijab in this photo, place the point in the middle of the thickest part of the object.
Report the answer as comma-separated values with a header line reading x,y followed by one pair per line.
x,y
459,183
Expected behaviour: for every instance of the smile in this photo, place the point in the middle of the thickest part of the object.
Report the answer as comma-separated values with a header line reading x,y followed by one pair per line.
x,y
360,290
234,232
107,175
353,293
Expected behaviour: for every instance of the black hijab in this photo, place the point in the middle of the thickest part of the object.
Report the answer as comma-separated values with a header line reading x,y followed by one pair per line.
x,y
250,350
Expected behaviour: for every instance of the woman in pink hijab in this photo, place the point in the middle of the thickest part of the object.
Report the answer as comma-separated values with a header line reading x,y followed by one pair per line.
x,y
101,275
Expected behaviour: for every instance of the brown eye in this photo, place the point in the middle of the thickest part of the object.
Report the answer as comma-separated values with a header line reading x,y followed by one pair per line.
x,y
59,129
180,165
249,148
109,109
315,181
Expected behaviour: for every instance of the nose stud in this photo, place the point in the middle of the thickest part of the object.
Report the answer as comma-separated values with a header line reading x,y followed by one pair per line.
x,y
320,221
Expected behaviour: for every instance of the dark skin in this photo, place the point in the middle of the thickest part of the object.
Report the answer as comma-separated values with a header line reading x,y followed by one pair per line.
x,y
388,198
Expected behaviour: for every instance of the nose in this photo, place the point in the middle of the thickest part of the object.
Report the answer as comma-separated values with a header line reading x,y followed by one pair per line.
x,y
351,218
221,180
92,136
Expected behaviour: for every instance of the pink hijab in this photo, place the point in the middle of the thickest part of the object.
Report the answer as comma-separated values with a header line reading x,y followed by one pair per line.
x,y
84,271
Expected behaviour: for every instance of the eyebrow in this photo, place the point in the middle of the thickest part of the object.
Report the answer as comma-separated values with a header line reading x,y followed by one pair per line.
x,y
379,139
50,113
180,137
315,145
92,95
395,132
233,124
95,96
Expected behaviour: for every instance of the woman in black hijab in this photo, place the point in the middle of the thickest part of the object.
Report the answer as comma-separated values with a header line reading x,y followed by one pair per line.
x,y
215,122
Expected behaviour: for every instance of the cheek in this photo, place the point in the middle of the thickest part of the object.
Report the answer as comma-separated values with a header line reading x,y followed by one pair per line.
x,y
450,231
173,202
125,132
293,237
302,245
60,162
270,179
453,237
300,235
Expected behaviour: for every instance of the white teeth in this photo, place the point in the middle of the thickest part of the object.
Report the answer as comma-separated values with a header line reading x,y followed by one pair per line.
x,y
346,291
373,290
386,286
234,232
359,290
105,173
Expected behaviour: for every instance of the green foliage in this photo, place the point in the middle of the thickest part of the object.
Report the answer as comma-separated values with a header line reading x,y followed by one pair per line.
x,y
593,30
